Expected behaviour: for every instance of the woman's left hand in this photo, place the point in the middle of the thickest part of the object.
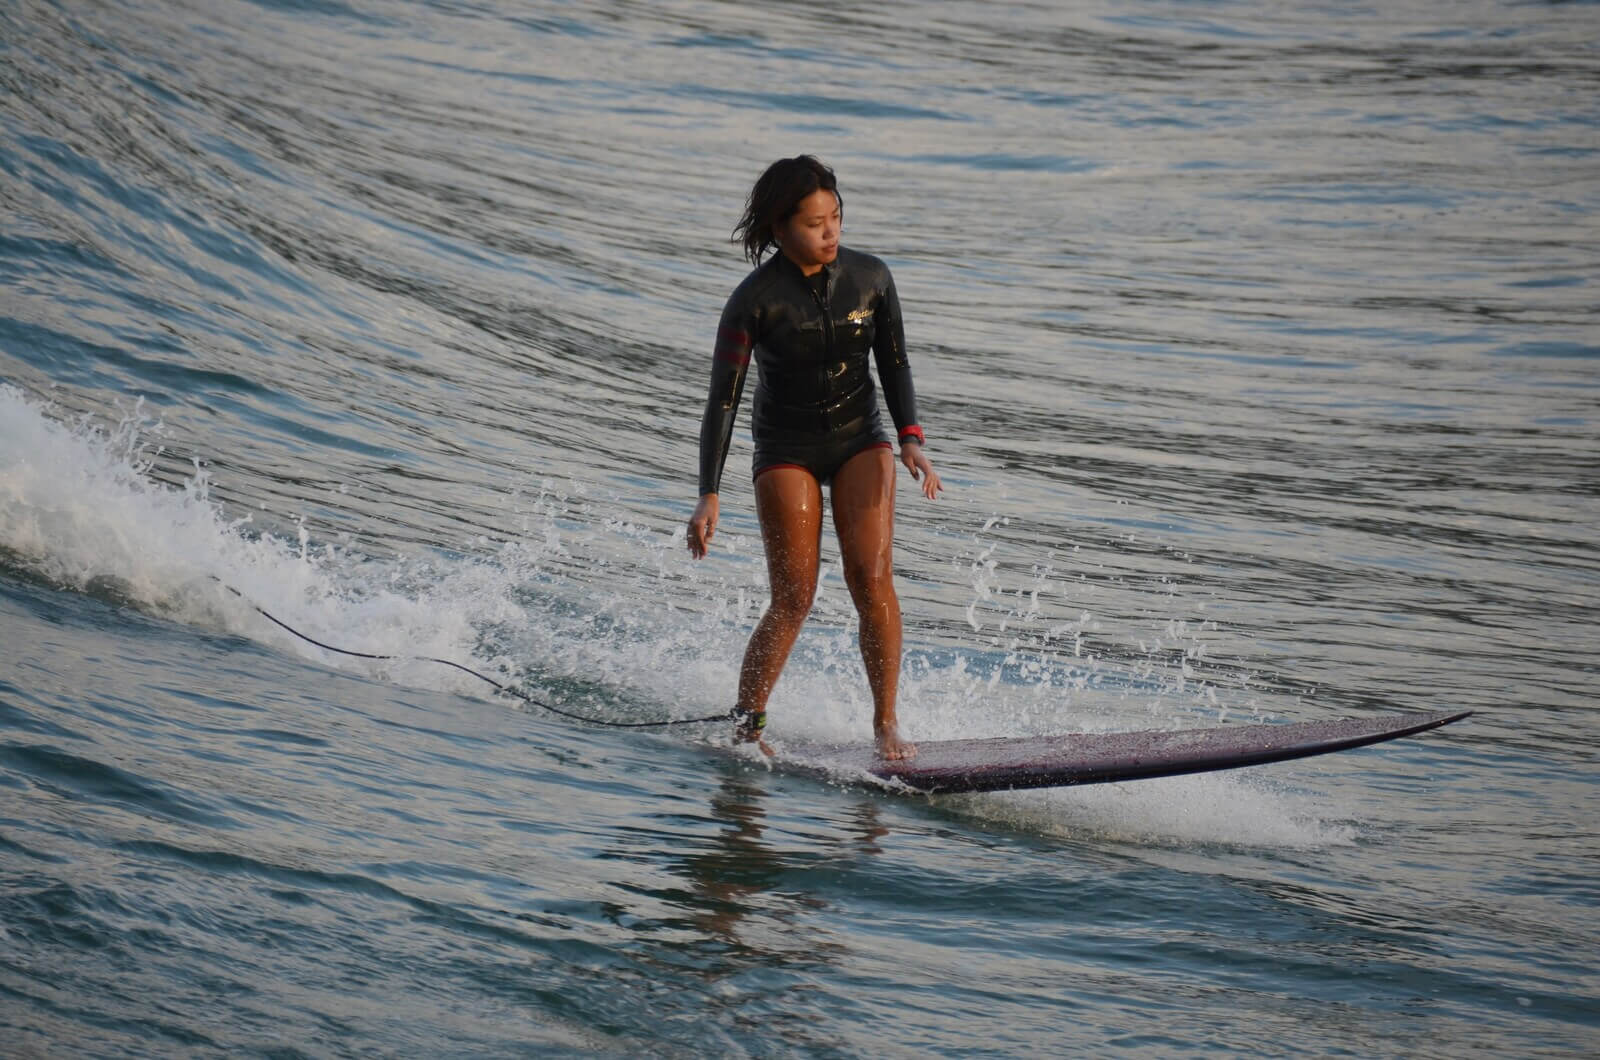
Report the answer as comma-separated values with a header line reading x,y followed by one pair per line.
x,y
916,461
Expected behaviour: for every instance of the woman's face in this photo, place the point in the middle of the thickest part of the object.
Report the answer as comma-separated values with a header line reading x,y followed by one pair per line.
x,y
810,237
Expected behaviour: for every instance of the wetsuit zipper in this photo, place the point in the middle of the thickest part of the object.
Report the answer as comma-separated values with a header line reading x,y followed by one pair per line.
x,y
820,296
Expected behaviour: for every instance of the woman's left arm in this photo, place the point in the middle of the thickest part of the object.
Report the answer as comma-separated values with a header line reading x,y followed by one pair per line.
x,y
894,374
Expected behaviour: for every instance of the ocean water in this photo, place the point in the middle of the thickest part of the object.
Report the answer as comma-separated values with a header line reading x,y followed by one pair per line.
x,y
1258,346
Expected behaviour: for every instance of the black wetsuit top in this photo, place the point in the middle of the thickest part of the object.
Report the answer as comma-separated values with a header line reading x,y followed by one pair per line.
x,y
809,337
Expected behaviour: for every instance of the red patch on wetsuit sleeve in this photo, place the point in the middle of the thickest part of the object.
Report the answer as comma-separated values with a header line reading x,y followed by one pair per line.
x,y
733,345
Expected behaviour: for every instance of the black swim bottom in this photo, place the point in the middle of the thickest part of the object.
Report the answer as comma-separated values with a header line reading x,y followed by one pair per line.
x,y
822,457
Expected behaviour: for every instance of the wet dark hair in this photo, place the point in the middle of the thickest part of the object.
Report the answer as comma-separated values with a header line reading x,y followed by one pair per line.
x,y
776,196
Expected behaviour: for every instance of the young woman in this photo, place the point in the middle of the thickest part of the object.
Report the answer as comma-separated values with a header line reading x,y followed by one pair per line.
x,y
808,316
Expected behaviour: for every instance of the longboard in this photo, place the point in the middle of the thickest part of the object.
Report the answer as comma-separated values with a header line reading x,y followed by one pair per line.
x,y
1014,763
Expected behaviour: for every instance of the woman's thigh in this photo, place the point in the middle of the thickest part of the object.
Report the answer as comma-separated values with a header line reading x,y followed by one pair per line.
x,y
863,517
789,505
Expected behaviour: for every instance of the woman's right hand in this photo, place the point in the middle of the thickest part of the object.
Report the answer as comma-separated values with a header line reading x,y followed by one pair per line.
x,y
703,525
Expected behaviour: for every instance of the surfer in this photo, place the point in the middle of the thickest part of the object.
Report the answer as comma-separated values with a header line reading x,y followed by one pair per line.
x,y
808,316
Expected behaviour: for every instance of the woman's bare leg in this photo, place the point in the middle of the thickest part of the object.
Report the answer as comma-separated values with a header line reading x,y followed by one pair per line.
x,y
789,505
863,517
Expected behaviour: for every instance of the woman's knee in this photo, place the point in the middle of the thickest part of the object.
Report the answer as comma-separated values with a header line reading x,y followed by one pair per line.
x,y
871,581
792,603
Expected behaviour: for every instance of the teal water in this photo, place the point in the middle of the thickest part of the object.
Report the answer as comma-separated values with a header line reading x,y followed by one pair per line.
x,y
1256,345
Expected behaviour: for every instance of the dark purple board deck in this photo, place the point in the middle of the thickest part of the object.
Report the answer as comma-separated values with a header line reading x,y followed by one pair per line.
x,y
1011,763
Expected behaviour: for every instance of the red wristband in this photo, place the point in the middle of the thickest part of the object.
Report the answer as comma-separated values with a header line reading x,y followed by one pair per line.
x,y
913,433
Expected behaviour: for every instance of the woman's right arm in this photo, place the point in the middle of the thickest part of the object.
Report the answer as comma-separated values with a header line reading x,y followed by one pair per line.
x,y
729,364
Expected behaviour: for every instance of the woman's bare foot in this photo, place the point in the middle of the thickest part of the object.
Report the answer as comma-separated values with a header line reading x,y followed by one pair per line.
x,y
894,749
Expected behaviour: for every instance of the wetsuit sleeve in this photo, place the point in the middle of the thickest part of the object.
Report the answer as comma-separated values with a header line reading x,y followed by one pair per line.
x,y
735,337
894,371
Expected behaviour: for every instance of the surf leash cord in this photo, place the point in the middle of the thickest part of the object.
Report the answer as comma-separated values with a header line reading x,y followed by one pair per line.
x,y
749,719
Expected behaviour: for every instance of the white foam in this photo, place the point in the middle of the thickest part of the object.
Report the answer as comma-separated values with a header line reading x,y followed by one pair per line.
x,y
78,508
1235,809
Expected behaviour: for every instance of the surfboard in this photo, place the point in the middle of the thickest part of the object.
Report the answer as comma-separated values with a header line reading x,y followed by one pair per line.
x,y
1013,763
